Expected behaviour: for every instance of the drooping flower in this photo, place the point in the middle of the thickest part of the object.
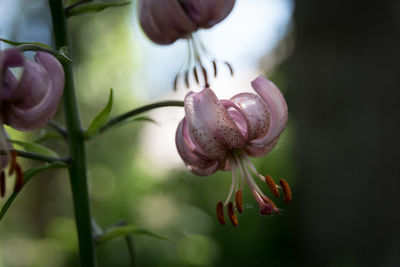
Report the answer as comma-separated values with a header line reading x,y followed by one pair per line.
x,y
165,21
223,134
27,103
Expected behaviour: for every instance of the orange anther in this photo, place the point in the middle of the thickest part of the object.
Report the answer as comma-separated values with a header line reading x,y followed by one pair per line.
x,y
229,67
215,68
232,215
19,178
13,162
287,193
238,201
272,185
196,77
2,183
205,76
176,82
220,213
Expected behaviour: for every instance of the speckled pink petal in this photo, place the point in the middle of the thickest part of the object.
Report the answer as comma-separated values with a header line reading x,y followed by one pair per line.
x,y
39,90
260,151
237,116
164,21
277,106
256,113
203,171
210,125
186,149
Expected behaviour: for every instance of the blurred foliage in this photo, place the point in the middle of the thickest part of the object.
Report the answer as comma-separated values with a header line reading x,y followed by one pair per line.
x,y
39,229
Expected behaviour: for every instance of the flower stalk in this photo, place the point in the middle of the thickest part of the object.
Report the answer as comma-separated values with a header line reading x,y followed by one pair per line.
x,y
132,113
78,166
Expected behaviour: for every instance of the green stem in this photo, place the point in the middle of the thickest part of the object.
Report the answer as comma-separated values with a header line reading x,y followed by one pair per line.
x,y
131,250
78,168
137,111
58,128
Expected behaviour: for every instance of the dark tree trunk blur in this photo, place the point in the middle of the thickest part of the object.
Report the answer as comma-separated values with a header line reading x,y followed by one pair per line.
x,y
344,93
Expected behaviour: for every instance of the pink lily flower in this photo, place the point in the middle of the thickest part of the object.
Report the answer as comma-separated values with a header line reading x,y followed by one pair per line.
x,y
223,134
165,21
27,103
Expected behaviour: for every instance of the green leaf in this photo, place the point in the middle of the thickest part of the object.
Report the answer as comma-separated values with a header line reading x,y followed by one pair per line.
x,y
93,8
35,148
28,174
101,118
71,2
47,136
126,230
42,45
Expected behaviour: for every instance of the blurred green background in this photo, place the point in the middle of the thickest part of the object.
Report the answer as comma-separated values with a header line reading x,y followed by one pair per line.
x,y
333,151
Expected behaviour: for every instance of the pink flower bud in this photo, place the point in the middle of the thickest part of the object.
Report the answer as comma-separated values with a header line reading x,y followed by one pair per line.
x,y
165,21
30,102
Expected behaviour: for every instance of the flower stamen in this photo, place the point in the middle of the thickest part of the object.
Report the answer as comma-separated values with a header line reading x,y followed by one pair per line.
x,y
13,162
253,169
272,186
220,213
2,184
229,67
232,215
238,201
196,77
19,178
231,189
197,54
215,68
287,192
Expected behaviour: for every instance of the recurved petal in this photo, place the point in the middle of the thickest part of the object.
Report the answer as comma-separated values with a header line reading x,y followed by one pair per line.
x,y
11,57
164,21
207,13
9,85
31,87
277,107
257,152
256,113
210,125
204,171
237,116
39,90
8,58
188,150
220,12
199,12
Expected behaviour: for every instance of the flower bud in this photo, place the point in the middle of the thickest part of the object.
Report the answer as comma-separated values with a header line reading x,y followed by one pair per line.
x,y
165,21
30,102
